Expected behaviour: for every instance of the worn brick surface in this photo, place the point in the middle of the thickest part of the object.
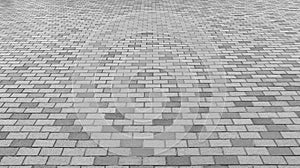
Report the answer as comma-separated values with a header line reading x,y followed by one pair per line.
x,y
130,83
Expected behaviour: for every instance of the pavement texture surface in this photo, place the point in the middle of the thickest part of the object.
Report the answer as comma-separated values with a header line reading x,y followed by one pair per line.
x,y
150,83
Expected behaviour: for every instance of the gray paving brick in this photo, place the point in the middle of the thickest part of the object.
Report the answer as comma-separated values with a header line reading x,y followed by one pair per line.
x,y
82,160
12,160
170,115
231,115
211,151
142,151
165,135
242,142
107,160
293,160
43,143
195,128
154,161
250,160
78,136
64,122
96,152
202,160
271,135
35,160
8,151
178,161
74,128
262,121
257,151
163,122
114,116
130,160
28,151
280,151
51,151
22,143
73,151
277,128
243,104
58,160
115,128
65,143
131,143
273,160
226,160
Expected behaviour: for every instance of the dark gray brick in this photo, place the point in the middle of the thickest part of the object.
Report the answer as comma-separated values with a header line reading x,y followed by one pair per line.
x,y
28,105
226,160
242,142
204,94
178,161
195,128
8,151
76,116
3,135
262,121
85,95
172,105
163,122
280,151
142,151
63,122
199,109
79,136
266,98
170,115
74,128
231,115
271,135
106,161
131,143
114,116
114,128
52,110
57,100
20,116
22,143
277,128
243,104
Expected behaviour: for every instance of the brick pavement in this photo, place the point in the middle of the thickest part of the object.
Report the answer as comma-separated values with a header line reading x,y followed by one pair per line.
x,y
150,83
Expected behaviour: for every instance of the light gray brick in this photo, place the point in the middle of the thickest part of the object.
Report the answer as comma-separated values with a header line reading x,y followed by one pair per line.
x,y
28,151
35,160
82,160
12,160
273,160
250,160
202,160
130,160
58,160
154,161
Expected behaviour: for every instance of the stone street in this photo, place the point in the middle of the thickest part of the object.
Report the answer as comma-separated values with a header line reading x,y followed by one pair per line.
x,y
150,83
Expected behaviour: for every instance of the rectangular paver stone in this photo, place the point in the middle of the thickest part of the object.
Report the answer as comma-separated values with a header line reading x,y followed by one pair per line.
x,y
106,161
226,160
178,161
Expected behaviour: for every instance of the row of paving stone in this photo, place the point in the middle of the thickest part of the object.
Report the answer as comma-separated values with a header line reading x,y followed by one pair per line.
x,y
170,160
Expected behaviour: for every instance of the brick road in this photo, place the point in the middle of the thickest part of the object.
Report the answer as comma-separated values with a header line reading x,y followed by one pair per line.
x,y
150,83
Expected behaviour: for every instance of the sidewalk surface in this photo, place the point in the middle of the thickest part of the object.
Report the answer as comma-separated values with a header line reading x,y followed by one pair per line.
x,y
150,83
